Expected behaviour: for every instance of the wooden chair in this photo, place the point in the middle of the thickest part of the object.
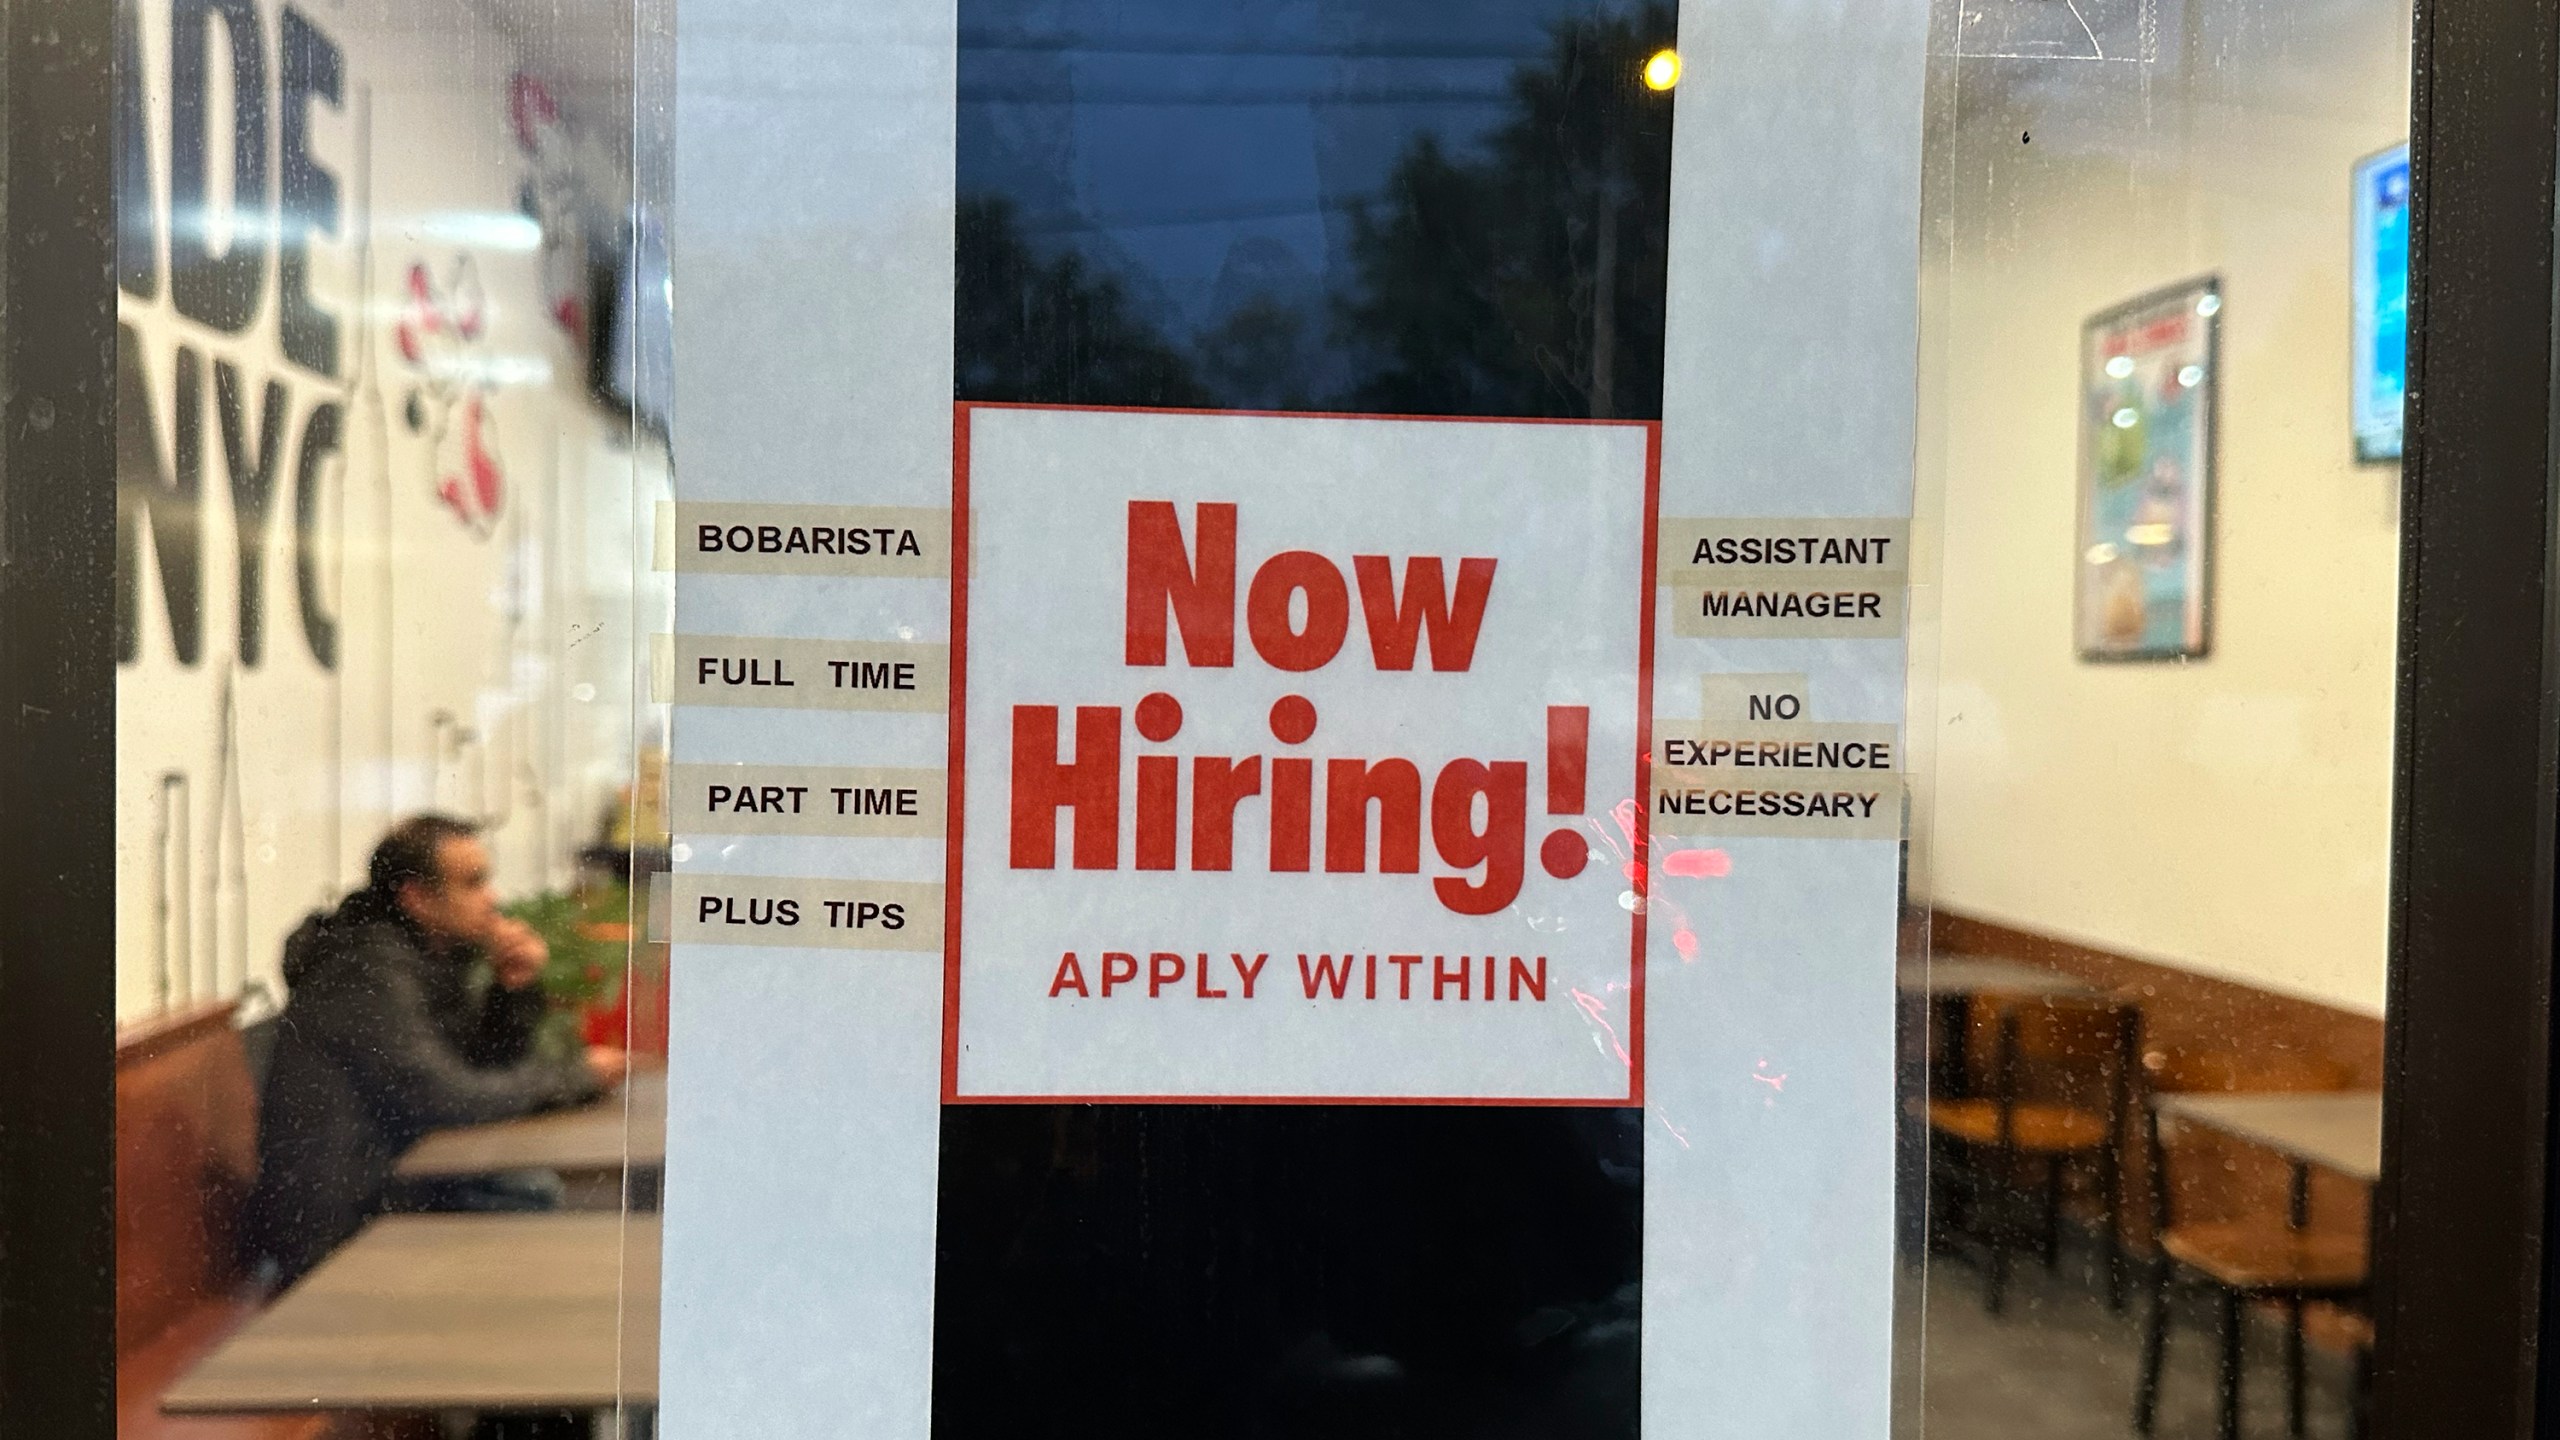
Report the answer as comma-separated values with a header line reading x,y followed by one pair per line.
x,y
2061,1081
2276,1259
2359,1328
2184,1071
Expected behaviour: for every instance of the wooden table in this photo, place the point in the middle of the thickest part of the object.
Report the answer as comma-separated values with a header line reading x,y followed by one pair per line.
x,y
628,1127
438,1312
2338,1131
1950,983
1969,975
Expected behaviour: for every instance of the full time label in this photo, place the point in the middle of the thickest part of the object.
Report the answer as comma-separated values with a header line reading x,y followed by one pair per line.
x,y
775,673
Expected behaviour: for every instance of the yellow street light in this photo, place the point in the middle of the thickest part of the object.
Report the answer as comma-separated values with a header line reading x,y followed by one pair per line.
x,y
1662,71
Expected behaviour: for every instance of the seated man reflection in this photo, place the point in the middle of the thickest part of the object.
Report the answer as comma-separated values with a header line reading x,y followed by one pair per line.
x,y
385,1036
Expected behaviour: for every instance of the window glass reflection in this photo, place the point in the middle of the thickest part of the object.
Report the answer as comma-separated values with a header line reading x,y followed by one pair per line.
x,y
381,558
2163,278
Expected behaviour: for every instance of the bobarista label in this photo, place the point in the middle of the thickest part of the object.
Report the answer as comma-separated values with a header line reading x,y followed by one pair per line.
x,y
865,541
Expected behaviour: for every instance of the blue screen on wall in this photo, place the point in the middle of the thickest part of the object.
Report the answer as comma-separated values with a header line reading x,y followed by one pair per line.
x,y
2381,268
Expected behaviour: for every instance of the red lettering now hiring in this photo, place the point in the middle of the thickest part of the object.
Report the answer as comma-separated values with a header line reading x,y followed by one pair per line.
x,y
1192,589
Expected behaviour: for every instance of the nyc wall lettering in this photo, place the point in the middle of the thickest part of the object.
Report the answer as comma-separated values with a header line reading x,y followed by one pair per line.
x,y
273,428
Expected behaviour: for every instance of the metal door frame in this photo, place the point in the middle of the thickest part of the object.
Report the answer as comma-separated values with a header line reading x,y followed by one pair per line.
x,y
2463,1206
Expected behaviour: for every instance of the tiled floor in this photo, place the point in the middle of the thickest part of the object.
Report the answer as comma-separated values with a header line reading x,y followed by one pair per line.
x,y
2058,1365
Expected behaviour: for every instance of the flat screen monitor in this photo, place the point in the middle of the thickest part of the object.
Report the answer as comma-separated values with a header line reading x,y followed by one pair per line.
x,y
636,302
2381,264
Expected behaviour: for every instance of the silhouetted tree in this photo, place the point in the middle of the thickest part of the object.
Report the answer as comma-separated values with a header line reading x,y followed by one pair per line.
x,y
1528,282
1051,331
1257,358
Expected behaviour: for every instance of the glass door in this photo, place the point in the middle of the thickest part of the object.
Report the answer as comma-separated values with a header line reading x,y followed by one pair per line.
x,y
1567,718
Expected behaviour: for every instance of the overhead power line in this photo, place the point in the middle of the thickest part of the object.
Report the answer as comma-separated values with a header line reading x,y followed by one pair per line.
x,y
1075,222
1060,43
986,94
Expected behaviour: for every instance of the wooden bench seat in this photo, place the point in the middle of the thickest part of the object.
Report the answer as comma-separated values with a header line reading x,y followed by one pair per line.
x,y
142,1373
186,1154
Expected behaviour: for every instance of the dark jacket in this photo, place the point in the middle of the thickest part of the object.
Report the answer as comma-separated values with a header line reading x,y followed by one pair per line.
x,y
381,1040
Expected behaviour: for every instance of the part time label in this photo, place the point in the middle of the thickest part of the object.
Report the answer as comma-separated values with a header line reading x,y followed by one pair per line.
x,y
807,800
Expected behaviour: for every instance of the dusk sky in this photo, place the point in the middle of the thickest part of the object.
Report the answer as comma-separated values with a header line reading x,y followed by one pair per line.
x,y
1162,137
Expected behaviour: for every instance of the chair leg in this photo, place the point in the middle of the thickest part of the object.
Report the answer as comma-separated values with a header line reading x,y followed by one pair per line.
x,y
1996,1291
2360,1395
2293,1419
1957,1180
1986,1223
2110,1201
2155,1348
2052,1212
2115,1269
1934,1212
2005,1210
2229,1419
1942,1189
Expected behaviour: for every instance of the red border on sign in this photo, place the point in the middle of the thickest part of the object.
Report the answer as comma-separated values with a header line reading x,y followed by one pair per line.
x,y
955,809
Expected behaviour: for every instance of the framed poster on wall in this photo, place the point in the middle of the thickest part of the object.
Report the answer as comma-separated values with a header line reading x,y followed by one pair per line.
x,y
2380,255
2147,389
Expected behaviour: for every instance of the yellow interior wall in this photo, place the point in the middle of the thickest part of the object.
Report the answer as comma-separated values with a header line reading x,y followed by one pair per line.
x,y
2228,815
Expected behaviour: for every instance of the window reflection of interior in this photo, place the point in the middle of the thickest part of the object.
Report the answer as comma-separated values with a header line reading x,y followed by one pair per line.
x,y
2201,837
381,509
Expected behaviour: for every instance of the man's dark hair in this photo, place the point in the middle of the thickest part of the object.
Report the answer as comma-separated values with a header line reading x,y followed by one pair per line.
x,y
409,852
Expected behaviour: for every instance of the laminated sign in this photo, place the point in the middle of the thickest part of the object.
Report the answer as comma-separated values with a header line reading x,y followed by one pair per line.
x,y
1287,764
1285,752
